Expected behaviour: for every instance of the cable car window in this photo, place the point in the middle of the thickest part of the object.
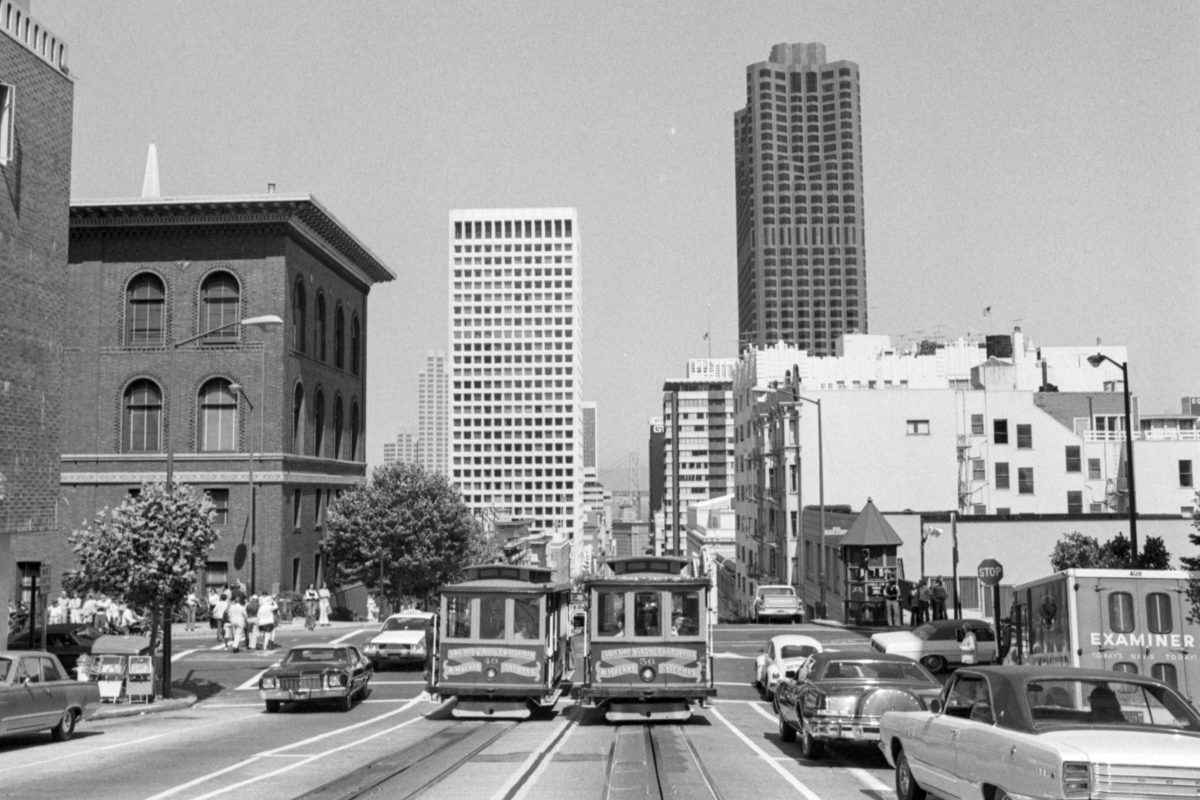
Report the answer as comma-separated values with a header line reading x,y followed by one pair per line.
x,y
647,611
491,617
610,613
458,617
685,613
525,618
1158,612
1120,612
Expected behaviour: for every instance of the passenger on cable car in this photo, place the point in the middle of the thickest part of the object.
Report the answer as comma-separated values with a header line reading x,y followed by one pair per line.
x,y
646,621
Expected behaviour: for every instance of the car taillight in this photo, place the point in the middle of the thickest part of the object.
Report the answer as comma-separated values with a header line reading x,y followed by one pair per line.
x,y
1076,778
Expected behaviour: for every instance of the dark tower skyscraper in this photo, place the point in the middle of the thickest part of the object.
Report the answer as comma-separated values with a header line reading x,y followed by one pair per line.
x,y
801,263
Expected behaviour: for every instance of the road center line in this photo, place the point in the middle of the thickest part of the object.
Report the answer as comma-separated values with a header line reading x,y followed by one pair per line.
x,y
760,710
787,776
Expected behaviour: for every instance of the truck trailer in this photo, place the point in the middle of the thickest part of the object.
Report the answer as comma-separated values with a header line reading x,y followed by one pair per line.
x,y
1120,620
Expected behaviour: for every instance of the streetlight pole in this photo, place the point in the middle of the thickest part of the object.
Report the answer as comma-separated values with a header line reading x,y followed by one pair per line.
x,y
1096,361
794,391
241,390
264,323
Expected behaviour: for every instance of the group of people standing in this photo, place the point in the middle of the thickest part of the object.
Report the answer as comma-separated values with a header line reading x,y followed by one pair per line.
x,y
316,607
104,613
240,620
927,601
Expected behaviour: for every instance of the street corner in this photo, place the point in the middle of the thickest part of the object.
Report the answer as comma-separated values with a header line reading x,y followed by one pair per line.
x,y
179,701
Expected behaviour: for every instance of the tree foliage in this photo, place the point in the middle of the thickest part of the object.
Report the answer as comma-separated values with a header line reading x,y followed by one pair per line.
x,y
416,519
1075,550
148,551
1192,563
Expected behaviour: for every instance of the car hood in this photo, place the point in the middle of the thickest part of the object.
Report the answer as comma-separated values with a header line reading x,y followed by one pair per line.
x,y
1163,748
298,670
399,637
897,639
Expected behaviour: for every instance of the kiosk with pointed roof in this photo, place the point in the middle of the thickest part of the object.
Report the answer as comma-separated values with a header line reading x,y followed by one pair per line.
x,y
869,560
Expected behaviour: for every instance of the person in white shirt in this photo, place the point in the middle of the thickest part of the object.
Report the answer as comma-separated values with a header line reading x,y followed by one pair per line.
x,y
237,622
266,621
218,613
326,607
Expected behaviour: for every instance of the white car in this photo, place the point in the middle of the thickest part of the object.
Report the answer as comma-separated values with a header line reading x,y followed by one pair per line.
x,y
783,654
401,640
935,644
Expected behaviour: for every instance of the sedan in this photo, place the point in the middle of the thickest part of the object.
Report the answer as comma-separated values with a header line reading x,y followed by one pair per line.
x,y
843,696
401,640
37,694
69,641
783,655
1046,732
935,644
316,673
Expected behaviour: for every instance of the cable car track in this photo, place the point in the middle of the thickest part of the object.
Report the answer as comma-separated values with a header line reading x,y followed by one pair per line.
x,y
656,761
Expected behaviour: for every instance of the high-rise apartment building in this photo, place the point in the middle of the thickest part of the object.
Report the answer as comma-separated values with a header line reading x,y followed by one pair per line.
x,y
433,412
516,419
801,258
589,435
407,449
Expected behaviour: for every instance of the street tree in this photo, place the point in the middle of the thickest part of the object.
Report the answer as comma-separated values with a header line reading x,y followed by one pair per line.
x,y
146,552
1075,550
407,523
1192,564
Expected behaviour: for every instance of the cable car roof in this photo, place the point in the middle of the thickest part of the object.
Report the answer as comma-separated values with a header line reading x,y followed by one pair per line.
x,y
512,577
661,565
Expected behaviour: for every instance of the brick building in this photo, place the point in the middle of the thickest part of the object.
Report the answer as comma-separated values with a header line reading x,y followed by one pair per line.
x,y
146,273
36,98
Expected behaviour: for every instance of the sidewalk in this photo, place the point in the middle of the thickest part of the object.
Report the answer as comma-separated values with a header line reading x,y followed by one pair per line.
x,y
180,700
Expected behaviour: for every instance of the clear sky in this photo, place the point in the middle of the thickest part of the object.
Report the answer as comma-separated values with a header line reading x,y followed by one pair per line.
x,y
1039,158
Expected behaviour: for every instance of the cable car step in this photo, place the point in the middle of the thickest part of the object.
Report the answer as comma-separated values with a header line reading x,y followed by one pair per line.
x,y
491,709
667,711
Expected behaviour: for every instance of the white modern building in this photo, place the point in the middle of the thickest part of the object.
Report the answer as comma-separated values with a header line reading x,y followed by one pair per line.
x,y
433,412
516,420
405,450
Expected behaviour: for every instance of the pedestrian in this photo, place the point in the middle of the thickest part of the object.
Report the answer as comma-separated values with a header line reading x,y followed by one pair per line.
x,y
372,608
252,622
968,645
267,611
237,622
926,597
323,597
311,602
220,611
128,620
113,616
891,594
75,609
914,605
88,610
189,607
939,598
213,598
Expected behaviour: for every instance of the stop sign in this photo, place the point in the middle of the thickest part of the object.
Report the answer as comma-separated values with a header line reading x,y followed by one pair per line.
x,y
990,572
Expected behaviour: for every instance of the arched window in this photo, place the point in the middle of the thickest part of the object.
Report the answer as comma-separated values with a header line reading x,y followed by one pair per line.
x,y
142,424
298,420
337,427
145,310
219,299
216,423
339,338
320,344
318,423
299,332
354,344
354,430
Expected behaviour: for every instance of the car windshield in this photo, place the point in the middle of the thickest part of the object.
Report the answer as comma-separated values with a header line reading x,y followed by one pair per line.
x,y
6,665
405,624
783,591
1116,703
797,651
877,670
316,655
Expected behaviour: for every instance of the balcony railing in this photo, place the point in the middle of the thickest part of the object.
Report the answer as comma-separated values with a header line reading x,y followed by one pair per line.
x,y
1159,435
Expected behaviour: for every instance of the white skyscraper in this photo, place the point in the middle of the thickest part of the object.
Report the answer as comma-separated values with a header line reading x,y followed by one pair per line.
x,y
516,430
433,412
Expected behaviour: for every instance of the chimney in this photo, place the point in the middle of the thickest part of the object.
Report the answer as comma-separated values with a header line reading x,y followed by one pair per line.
x,y
270,188
150,181
1018,346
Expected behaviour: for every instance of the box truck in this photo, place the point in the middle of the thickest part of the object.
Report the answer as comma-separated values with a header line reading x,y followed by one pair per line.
x,y
1122,620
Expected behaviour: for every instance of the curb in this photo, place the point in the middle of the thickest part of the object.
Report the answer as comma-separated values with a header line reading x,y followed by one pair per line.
x,y
182,699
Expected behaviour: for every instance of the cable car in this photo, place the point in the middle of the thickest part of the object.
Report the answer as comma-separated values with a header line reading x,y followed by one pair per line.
x,y
647,640
503,642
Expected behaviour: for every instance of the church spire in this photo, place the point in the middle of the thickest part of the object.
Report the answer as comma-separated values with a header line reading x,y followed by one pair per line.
x,y
150,182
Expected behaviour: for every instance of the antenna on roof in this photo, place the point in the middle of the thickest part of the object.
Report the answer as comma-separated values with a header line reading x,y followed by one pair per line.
x,y
150,182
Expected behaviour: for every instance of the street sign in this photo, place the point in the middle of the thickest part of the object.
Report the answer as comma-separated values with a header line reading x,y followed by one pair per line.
x,y
990,572
44,580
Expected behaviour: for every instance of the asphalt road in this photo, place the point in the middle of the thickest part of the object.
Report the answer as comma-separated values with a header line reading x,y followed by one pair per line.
x,y
226,746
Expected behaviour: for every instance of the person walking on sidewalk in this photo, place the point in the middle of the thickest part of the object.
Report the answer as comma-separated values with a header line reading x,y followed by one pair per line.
x,y
220,613
190,604
939,595
311,601
266,622
324,596
237,622
895,617
926,597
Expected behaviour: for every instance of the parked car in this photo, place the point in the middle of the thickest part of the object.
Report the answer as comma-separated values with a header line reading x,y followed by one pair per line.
x,y
36,693
68,641
783,655
1047,732
776,602
400,641
935,644
317,673
843,695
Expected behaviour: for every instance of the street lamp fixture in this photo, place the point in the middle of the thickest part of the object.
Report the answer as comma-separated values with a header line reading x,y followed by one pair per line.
x,y
264,323
1096,361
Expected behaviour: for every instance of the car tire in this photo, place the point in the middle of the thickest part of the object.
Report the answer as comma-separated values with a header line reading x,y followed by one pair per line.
x,y
933,663
768,695
65,728
273,706
810,748
346,703
1000,794
786,732
906,784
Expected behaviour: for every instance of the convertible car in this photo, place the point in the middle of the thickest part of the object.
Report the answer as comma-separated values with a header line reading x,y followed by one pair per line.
x,y
313,673
1046,732
842,696
37,694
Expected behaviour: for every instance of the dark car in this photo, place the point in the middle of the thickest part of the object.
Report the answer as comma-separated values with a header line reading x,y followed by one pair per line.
x,y
841,696
318,672
68,641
